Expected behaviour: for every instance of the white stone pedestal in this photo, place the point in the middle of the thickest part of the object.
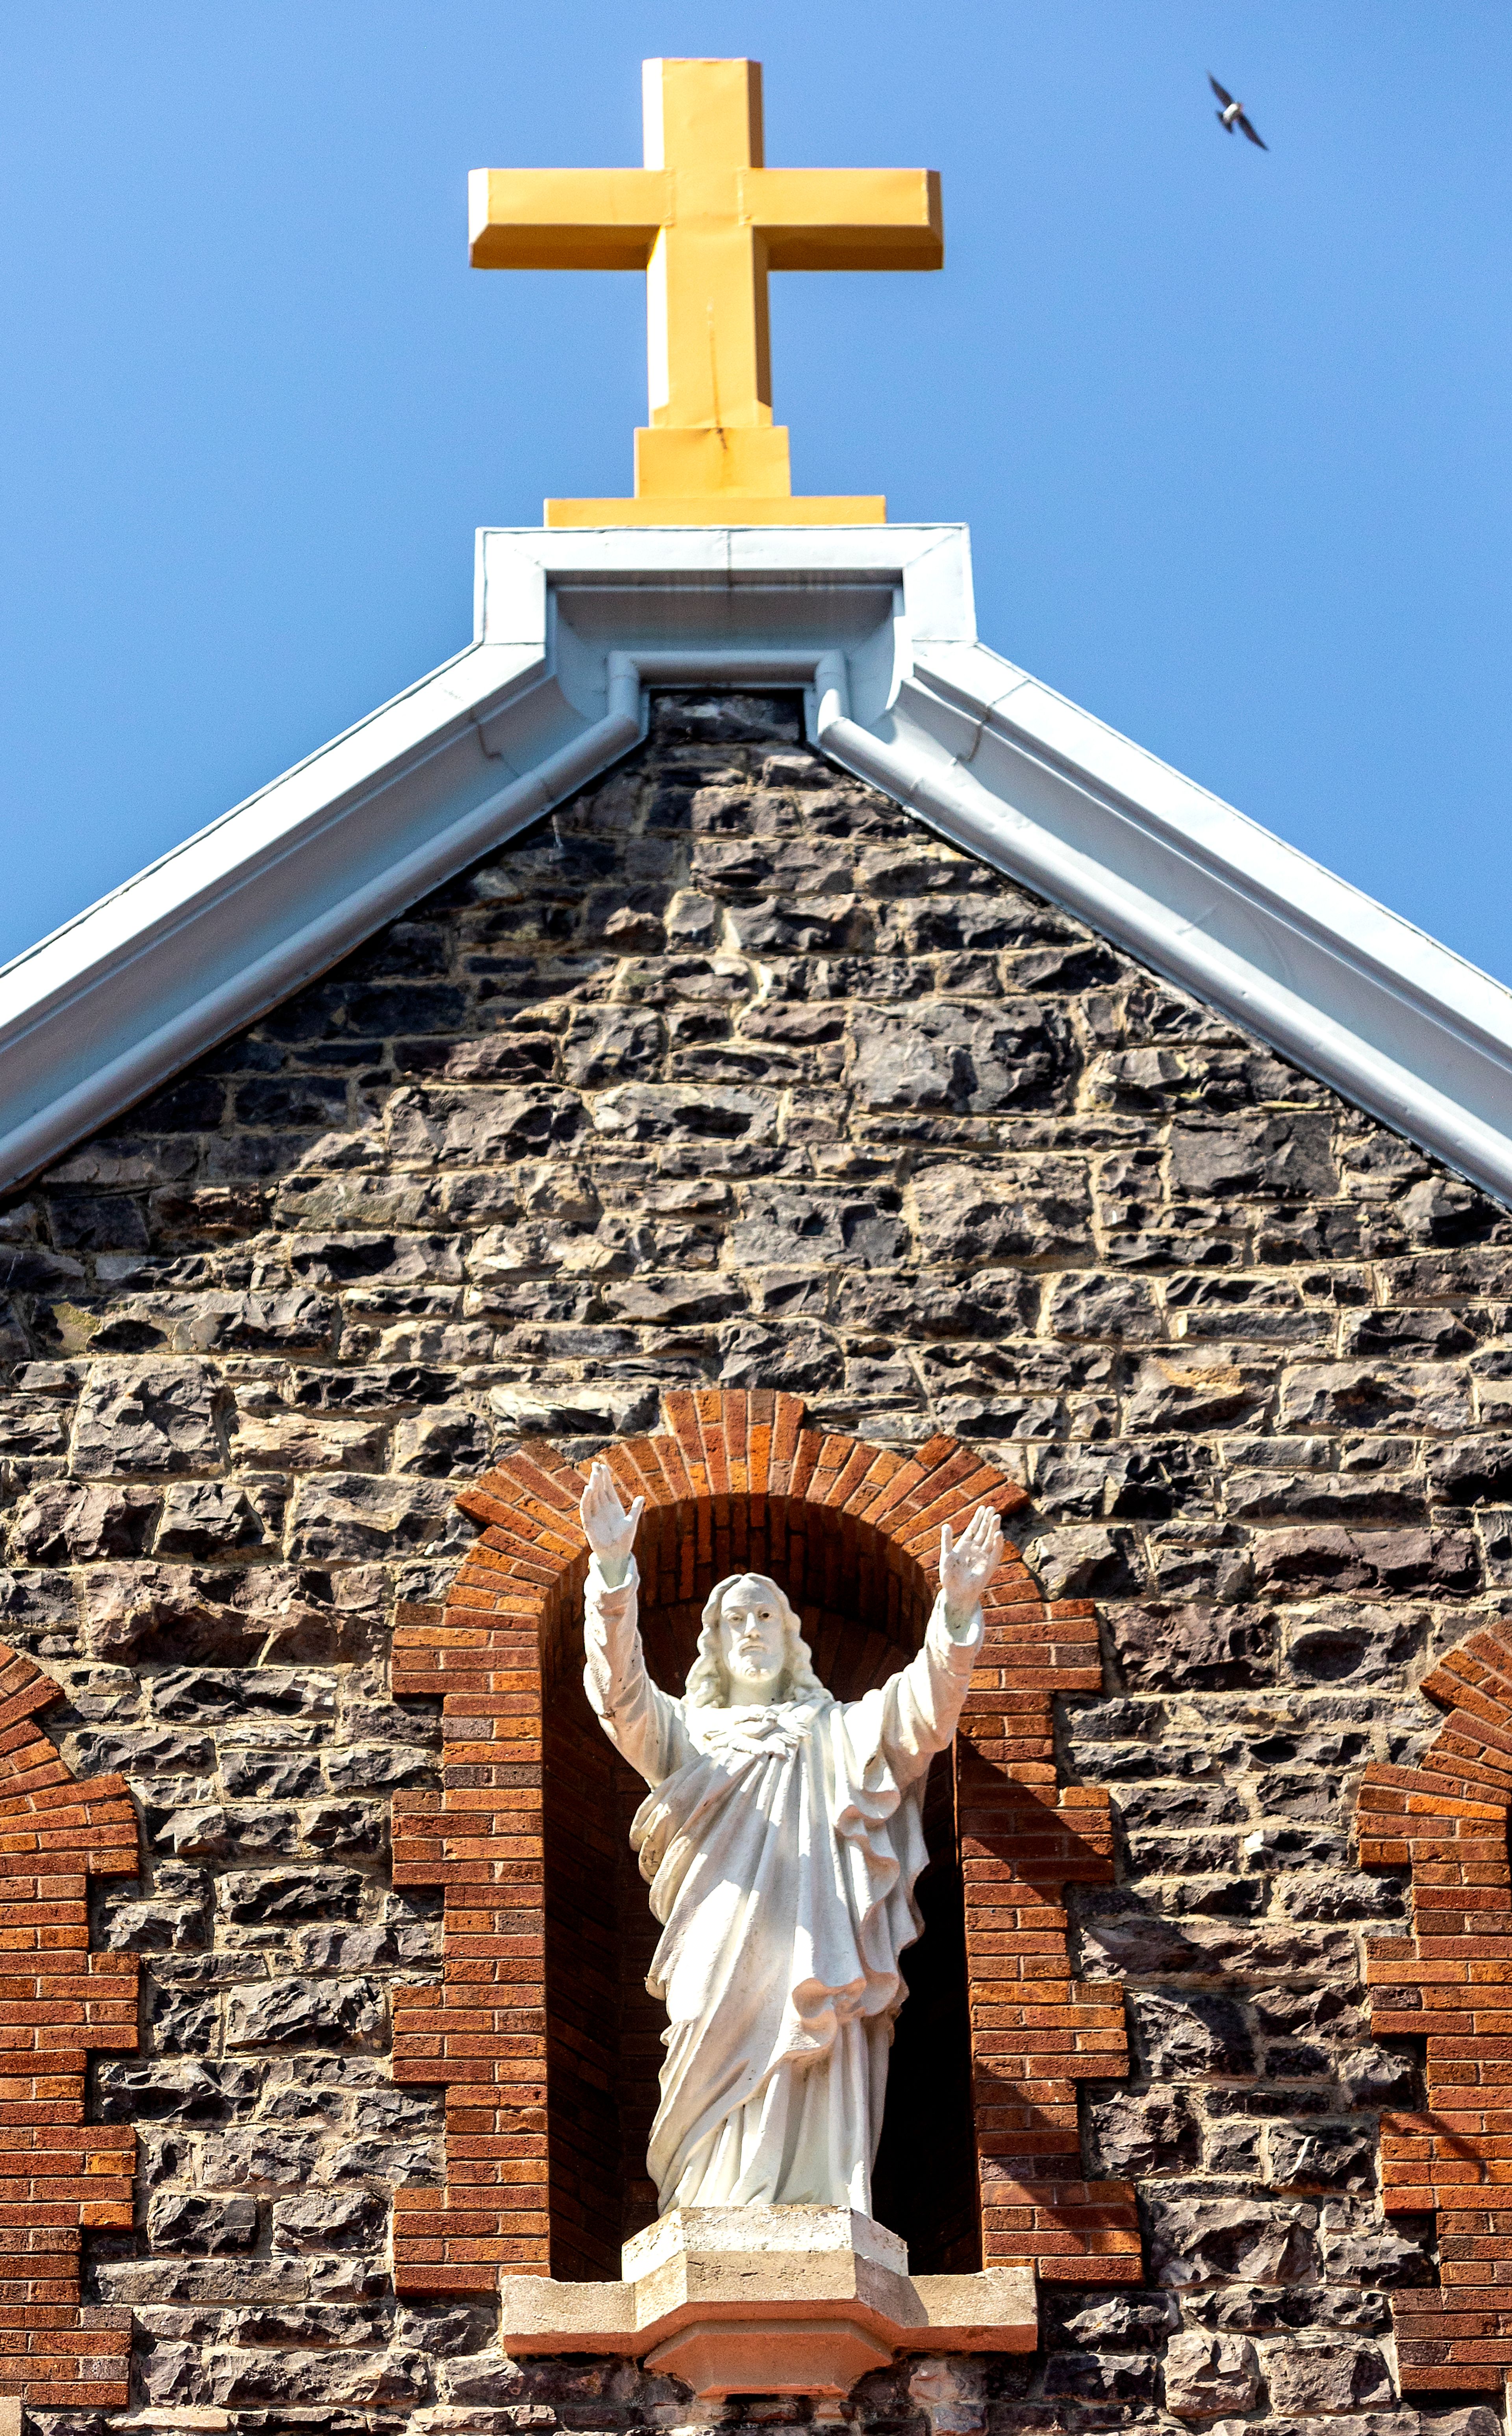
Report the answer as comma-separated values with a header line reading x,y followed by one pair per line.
x,y
770,2300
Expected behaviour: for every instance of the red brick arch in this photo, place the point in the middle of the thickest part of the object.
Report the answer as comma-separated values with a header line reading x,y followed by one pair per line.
x,y
60,2177
534,2031
1450,1983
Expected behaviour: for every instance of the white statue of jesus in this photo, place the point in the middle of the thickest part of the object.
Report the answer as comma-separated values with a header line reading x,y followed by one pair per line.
x,y
782,1838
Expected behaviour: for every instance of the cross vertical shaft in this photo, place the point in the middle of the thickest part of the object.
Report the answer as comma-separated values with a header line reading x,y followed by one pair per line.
x,y
710,357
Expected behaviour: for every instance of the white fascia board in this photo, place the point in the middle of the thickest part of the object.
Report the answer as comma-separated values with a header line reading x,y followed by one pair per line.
x,y
273,892
876,623
1356,995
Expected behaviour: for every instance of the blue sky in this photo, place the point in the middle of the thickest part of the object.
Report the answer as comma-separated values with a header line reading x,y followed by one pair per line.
x,y
1231,429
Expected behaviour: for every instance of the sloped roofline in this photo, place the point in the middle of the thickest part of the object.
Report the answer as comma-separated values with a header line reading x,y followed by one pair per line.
x,y
876,625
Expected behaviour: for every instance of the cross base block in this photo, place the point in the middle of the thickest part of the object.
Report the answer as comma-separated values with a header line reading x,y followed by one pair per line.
x,y
708,474
715,507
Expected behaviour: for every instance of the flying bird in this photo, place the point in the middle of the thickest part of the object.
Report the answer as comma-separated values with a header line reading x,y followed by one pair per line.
x,y
1232,115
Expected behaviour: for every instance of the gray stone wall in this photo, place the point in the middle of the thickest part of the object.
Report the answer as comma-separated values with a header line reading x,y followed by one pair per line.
x,y
731,1072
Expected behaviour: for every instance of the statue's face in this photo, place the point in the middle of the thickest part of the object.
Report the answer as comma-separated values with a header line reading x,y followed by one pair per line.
x,y
753,1646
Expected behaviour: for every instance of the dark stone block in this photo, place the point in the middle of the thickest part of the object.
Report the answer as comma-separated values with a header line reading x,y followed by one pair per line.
x,y
953,1056
1467,1276
971,1214
800,926
1202,2240
801,1360
304,1100
147,1417
183,2023
1474,1472
793,1225
1131,2320
1384,2257
1181,1649
1373,2076
174,2092
934,925
1089,2377
1306,1563
28,1269
1116,1309
1177,1806
1286,1154
304,2013
232,1691
1146,1484
103,1222
377,1013
1423,1334
1142,1946
393,1387
1339,1894
1155,1856
1321,2156
287,1895
321,2220
613,1045
1308,2379
271,1776
1136,2136
1355,1644
206,1518
59,1523
194,1105
182,2220
1441,1209
1191,2037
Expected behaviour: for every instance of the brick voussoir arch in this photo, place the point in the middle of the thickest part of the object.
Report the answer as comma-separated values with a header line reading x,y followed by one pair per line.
x,y
1450,1983
733,1479
60,2177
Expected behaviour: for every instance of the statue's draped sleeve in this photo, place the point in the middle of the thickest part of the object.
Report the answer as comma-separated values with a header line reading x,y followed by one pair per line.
x,y
914,1714
640,1720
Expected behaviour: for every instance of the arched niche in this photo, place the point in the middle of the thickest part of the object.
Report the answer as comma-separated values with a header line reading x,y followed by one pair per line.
x,y
864,1605
542,2032
1446,1821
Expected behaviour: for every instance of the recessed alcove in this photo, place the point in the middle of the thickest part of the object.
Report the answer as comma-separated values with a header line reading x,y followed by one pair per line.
x,y
541,2029
863,1611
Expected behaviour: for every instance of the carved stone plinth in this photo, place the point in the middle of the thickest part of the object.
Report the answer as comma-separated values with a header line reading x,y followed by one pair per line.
x,y
770,2300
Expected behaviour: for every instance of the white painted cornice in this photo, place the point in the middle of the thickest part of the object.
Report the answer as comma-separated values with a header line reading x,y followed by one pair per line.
x,y
876,623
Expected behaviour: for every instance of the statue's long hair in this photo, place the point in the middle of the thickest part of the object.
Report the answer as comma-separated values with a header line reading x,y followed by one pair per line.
x,y
708,1685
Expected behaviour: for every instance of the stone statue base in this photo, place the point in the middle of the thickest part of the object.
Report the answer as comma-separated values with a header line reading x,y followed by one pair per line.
x,y
770,2300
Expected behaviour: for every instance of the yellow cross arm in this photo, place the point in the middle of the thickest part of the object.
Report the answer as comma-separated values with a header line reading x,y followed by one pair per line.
x,y
846,220
566,219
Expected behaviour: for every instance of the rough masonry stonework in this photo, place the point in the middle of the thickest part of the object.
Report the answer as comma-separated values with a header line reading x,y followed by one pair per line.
x,y
730,1075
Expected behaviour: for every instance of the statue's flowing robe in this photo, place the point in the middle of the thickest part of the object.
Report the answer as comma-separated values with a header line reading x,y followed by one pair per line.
x,y
782,1845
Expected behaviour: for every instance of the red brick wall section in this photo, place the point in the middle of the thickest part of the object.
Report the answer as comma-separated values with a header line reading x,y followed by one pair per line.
x,y
1449,1983
737,1479
58,2002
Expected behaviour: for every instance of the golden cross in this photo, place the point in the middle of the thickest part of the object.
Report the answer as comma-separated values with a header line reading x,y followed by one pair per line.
x,y
707,221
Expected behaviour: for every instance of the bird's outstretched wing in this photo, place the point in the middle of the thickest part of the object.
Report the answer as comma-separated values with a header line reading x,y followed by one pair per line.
x,y
1245,129
1227,98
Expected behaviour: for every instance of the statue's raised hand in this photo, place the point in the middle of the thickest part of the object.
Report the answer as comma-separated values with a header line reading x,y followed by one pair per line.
x,y
608,1529
969,1564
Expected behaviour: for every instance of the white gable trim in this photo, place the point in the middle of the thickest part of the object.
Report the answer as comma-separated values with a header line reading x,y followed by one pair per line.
x,y
876,625
1350,992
